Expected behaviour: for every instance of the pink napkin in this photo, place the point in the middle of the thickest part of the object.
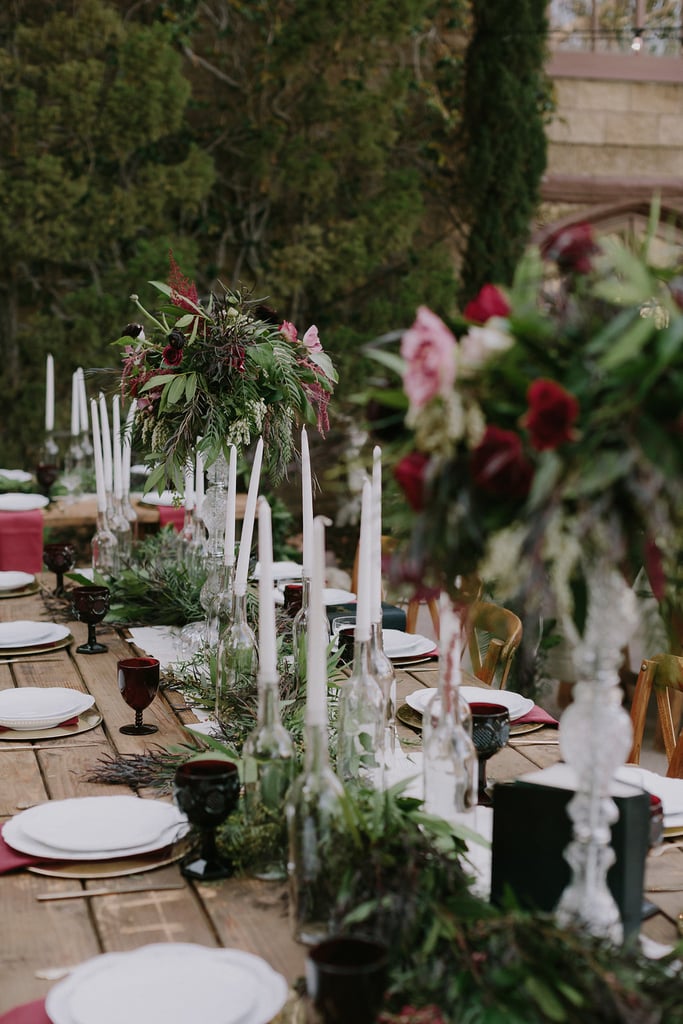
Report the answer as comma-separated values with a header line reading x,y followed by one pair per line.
x,y
12,860
28,1013
536,715
67,721
174,516
21,541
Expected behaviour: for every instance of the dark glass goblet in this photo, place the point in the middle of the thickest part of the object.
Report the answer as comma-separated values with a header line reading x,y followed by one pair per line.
x,y
46,474
490,733
90,604
346,978
59,558
207,791
138,680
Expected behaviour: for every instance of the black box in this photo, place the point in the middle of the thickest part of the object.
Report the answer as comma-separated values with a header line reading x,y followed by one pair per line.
x,y
531,829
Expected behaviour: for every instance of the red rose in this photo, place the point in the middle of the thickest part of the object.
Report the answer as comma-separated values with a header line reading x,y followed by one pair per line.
x,y
410,474
172,356
499,466
571,248
551,415
489,302
655,569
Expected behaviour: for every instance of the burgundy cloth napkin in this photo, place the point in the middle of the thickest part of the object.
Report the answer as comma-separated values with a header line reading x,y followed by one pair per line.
x,y
172,515
28,1013
536,715
67,721
12,860
21,541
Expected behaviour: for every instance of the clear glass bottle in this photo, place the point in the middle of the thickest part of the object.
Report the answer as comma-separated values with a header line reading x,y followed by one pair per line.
x,y
314,813
300,633
237,660
449,754
360,722
209,595
105,557
119,524
383,671
268,755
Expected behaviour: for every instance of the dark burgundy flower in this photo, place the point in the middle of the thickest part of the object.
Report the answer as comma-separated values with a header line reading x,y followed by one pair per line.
x,y
410,475
489,302
135,331
551,415
176,339
499,466
172,356
571,248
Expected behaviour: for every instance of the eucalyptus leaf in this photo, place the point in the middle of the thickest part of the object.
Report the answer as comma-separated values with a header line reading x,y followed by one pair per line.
x,y
630,344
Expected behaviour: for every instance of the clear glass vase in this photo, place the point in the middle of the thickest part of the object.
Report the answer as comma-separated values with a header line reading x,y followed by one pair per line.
x,y
105,556
314,813
269,763
120,526
300,627
383,671
360,723
449,754
237,658
595,738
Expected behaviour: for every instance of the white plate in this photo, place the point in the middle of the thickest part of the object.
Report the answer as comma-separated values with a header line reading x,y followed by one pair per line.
x,y
34,707
93,823
175,967
398,643
167,499
15,501
281,571
20,476
30,634
517,705
420,645
333,596
15,580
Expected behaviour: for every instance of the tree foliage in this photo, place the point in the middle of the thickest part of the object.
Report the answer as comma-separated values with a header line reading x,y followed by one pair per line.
x,y
504,102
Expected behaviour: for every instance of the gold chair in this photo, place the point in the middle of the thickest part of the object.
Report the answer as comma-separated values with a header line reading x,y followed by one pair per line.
x,y
494,635
664,675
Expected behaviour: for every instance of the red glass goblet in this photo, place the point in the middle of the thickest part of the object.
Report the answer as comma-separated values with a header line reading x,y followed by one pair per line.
x,y
207,791
346,978
138,680
490,733
90,605
59,558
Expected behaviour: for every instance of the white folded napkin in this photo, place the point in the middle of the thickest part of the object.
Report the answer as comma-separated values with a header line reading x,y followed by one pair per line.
x,y
669,791
157,642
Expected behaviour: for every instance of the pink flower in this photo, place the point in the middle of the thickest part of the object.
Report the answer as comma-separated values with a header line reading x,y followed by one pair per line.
x,y
489,302
311,339
551,415
429,350
289,331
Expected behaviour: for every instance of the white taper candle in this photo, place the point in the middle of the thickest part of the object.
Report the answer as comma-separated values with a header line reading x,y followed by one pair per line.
x,y
97,451
316,646
362,630
230,508
266,617
376,556
306,505
75,405
105,434
83,400
49,394
127,445
248,522
118,462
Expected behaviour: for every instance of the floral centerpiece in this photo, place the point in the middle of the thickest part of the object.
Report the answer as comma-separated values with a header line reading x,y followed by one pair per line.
x,y
219,372
547,420
546,458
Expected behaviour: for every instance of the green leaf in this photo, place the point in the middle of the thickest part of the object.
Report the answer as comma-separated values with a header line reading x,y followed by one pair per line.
x,y
389,359
546,478
185,321
176,389
322,360
190,386
159,381
156,479
605,468
544,998
630,344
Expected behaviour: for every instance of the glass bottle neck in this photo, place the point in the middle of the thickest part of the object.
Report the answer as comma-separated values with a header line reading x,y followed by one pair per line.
x,y
316,755
268,703
239,607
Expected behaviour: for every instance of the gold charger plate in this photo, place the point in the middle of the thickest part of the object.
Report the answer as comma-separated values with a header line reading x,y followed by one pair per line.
x,y
16,652
88,720
412,718
30,588
87,869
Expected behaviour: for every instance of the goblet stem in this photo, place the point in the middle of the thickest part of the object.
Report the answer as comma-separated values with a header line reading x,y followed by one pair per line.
x,y
138,719
59,589
482,797
92,635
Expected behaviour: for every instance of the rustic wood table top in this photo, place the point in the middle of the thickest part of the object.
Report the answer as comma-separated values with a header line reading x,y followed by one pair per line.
x,y
39,936
62,514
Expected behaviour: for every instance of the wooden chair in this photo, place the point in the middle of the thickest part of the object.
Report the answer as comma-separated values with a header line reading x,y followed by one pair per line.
x,y
664,675
495,633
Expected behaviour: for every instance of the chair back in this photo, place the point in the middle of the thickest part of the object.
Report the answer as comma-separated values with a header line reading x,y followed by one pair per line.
x,y
664,675
494,633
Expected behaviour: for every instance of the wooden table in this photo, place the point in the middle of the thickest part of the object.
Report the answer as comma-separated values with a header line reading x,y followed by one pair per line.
x,y
242,913
61,514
